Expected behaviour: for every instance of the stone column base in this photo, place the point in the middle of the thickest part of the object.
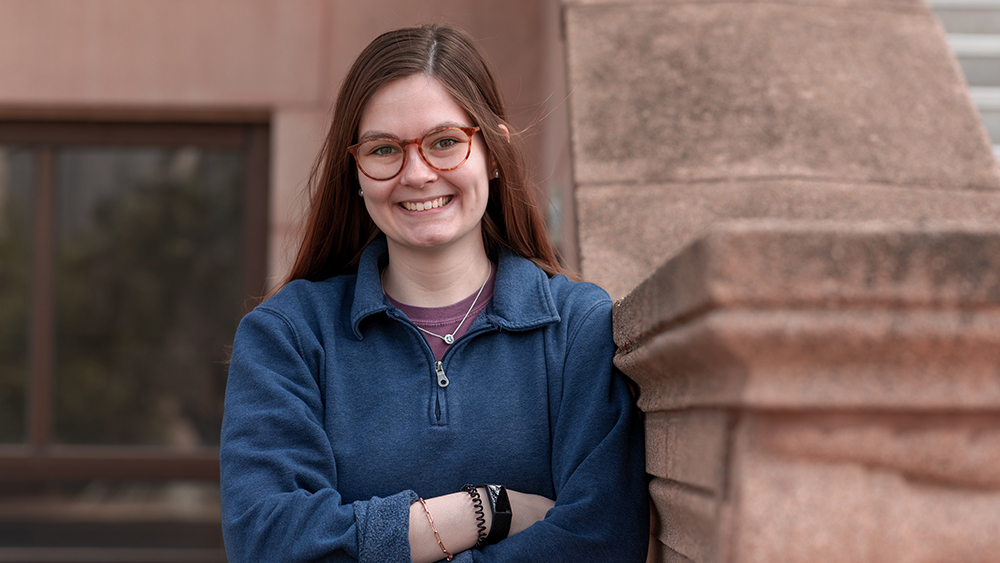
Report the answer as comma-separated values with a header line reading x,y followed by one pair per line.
x,y
822,392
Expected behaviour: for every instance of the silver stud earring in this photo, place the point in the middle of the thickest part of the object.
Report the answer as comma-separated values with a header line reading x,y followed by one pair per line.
x,y
361,192
496,174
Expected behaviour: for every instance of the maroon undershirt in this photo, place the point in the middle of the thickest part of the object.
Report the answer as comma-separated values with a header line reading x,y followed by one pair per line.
x,y
443,320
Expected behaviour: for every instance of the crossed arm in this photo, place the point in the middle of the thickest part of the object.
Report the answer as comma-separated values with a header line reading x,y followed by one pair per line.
x,y
454,520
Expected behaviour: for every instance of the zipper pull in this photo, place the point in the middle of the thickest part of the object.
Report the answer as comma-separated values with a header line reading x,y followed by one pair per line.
x,y
442,378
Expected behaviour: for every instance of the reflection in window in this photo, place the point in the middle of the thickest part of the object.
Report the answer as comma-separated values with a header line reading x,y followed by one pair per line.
x,y
16,210
148,292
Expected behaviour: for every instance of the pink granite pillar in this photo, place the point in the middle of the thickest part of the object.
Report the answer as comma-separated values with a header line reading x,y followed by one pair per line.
x,y
687,113
802,207
822,392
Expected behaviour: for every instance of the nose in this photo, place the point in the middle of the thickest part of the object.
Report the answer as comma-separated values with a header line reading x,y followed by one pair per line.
x,y
416,172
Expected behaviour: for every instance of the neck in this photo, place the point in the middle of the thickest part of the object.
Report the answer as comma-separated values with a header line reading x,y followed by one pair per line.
x,y
434,278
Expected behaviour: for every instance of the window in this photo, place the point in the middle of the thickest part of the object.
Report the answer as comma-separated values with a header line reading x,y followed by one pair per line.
x,y
128,254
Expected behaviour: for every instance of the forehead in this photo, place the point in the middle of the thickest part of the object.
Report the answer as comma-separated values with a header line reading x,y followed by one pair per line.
x,y
411,106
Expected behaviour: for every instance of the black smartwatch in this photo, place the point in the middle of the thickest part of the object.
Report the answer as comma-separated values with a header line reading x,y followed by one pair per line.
x,y
500,507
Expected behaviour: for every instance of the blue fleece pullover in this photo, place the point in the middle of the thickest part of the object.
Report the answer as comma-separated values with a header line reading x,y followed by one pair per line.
x,y
335,422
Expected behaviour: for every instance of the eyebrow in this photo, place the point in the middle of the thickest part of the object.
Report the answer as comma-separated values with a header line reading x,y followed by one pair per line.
x,y
372,135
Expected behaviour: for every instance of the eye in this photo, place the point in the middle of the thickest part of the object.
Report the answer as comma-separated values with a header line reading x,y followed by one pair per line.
x,y
379,148
445,143
382,149
445,140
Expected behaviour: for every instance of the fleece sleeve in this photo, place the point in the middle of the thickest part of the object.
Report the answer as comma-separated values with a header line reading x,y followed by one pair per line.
x,y
278,473
598,464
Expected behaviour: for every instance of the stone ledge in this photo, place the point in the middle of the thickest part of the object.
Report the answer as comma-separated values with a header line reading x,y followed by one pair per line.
x,y
769,265
815,359
628,231
822,392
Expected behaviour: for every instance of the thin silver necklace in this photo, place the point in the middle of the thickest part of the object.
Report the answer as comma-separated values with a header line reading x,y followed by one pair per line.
x,y
450,338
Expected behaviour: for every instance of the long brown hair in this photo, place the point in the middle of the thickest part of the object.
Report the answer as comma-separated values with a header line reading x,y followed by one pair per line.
x,y
338,226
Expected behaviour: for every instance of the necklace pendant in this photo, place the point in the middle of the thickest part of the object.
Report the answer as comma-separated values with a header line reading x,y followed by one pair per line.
x,y
448,339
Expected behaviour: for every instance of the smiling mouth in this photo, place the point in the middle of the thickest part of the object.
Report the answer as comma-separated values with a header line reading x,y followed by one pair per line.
x,y
426,205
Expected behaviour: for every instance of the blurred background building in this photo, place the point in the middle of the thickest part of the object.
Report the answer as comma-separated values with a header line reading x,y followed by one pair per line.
x,y
153,165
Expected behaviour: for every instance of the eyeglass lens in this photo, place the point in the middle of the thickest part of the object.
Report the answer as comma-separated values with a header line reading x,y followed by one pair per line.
x,y
443,149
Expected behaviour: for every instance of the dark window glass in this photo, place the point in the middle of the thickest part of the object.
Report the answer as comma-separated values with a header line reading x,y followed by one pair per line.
x,y
128,254
148,292
16,212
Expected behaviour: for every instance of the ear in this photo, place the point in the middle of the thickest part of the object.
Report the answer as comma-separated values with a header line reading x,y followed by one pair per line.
x,y
506,133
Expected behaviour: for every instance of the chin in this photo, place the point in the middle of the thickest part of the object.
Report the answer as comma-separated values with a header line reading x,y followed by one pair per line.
x,y
434,243
431,241
431,238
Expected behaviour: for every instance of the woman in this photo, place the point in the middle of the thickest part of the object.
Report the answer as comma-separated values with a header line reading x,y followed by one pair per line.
x,y
424,341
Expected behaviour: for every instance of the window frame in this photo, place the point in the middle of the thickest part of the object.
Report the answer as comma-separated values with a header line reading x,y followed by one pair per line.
x,y
38,459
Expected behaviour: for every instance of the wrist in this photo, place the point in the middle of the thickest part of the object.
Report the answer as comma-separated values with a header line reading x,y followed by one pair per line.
x,y
451,515
499,511
479,511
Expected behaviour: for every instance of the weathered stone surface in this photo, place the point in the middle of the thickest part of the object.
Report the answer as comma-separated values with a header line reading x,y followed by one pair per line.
x,y
822,393
845,316
712,91
688,447
807,510
956,449
819,357
891,5
629,231
822,360
825,265
688,519
670,556
685,114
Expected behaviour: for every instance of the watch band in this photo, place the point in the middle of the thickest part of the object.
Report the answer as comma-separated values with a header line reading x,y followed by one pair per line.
x,y
500,507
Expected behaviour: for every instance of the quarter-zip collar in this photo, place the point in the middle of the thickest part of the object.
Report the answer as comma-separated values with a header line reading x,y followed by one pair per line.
x,y
521,300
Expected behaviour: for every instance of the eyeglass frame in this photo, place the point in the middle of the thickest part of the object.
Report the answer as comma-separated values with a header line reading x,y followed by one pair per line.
x,y
470,131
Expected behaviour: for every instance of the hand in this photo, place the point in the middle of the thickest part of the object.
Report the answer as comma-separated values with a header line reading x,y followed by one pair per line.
x,y
526,509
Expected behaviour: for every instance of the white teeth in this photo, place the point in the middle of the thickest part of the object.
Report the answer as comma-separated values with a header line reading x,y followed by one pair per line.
x,y
425,205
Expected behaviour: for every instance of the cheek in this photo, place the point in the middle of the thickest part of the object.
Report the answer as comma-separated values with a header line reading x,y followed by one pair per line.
x,y
374,201
371,188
